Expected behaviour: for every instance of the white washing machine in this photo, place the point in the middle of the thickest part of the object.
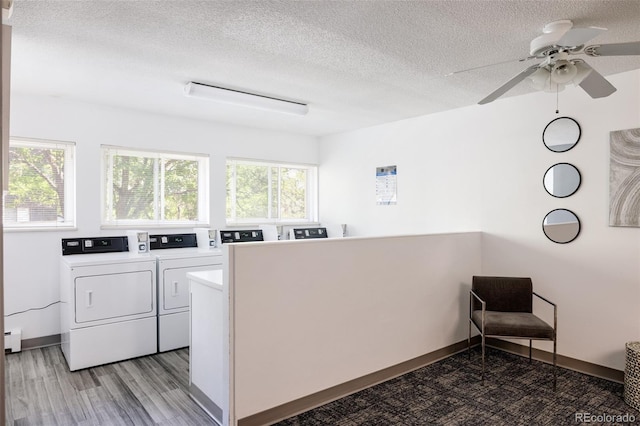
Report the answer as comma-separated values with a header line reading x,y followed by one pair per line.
x,y
178,254
108,302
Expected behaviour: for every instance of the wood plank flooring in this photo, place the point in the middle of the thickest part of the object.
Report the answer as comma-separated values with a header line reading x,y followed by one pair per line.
x,y
152,390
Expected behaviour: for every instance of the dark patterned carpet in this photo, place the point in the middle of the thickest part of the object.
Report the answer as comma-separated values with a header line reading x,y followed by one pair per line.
x,y
449,392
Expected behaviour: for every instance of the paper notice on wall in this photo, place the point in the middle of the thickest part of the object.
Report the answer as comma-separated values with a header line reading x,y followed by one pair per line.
x,y
386,185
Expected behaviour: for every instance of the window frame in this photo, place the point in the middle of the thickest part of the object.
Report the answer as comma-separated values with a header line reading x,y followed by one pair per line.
x,y
106,188
69,172
311,193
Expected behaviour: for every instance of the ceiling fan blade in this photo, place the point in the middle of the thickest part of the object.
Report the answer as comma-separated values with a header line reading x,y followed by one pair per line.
x,y
490,65
579,36
614,49
596,85
509,84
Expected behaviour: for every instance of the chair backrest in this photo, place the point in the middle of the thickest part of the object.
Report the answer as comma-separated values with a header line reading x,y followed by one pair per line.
x,y
504,294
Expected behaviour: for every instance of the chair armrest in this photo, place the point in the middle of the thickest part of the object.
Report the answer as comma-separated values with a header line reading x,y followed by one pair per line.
x,y
542,298
484,304
555,310
472,295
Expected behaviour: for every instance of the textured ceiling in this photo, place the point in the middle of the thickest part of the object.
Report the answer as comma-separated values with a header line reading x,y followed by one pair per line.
x,y
356,63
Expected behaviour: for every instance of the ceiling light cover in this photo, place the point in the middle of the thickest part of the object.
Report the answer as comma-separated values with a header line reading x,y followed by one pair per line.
x,y
563,72
539,78
542,80
235,97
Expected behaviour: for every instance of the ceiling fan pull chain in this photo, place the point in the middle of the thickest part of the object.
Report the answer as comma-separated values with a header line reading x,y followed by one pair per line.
x,y
557,97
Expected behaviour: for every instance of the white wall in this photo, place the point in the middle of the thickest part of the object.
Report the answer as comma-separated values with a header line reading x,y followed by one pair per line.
x,y
309,315
438,169
481,168
31,258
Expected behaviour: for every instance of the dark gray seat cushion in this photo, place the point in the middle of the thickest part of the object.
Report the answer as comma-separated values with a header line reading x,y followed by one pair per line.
x,y
520,324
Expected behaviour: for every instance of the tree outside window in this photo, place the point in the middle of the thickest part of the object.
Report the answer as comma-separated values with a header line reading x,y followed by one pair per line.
x,y
270,192
154,188
41,179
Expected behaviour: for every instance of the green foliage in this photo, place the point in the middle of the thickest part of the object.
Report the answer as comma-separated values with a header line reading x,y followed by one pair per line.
x,y
251,183
293,193
139,192
181,190
252,191
36,179
133,187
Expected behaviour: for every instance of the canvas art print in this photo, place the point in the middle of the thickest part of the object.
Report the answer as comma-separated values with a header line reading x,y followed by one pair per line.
x,y
624,178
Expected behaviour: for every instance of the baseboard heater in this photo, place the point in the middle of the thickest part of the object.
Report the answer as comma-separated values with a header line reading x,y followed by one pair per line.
x,y
13,341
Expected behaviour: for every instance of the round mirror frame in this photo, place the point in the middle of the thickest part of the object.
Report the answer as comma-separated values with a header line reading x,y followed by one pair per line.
x,y
573,143
568,240
562,196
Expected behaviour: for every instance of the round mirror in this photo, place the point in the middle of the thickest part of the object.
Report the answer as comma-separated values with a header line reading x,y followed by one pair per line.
x,y
561,134
561,180
561,226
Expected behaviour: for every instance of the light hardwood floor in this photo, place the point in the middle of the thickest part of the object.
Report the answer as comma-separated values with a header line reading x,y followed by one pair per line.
x,y
152,390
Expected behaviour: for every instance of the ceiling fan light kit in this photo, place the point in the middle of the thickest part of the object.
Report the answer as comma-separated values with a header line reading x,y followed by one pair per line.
x,y
558,43
554,78
542,80
539,78
563,71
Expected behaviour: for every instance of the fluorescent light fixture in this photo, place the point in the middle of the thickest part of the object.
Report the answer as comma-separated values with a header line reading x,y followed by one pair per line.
x,y
251,100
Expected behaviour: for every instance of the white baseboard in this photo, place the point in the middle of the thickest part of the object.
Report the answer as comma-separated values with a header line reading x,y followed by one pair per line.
x,y
13,340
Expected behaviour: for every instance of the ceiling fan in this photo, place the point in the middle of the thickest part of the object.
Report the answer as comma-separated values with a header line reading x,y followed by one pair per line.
x,y
557,46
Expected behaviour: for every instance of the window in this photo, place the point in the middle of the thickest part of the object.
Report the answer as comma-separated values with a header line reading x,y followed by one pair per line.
x,y
41,184
149,188
270,192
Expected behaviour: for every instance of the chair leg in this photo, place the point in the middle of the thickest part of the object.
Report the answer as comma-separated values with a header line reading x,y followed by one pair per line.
x,y
555,367
483,359
529,351
469,341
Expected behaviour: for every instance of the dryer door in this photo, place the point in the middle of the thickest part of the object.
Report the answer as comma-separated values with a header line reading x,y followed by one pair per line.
x,y
175,286
114,296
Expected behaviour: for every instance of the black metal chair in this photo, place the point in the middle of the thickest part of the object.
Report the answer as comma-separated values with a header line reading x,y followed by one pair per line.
x,y
503,307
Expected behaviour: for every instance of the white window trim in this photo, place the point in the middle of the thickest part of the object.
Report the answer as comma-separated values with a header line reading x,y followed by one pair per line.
x,y
203,189
69,187
311,193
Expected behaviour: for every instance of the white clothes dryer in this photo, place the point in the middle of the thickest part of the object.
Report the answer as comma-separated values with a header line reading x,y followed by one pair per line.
x,y
108,302
176,255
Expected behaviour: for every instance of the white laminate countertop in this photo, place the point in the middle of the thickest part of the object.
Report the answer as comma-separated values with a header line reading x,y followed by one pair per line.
x,y
212,278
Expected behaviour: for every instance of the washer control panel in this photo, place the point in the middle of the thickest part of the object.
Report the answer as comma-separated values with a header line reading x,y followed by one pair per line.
x,y
94,245
241,236
307,233
172,241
